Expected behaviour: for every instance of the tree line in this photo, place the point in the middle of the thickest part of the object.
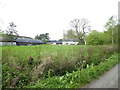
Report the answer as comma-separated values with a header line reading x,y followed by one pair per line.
x,y
80,28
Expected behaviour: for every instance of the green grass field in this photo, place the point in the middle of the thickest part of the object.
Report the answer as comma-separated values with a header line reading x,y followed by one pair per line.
x,y
24,64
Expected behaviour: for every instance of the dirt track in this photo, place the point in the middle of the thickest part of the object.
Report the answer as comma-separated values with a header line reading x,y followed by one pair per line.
x,y
107,80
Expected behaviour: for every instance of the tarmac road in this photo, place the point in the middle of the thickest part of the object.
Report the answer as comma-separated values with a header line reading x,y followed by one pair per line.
x,y
107,80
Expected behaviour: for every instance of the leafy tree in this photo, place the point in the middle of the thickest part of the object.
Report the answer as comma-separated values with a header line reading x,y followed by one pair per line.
x,y
11,29
106,36
1,32
113,34
95,38
70,34
111,27
103,38
45,37
81,27
11,32
110,36
60,40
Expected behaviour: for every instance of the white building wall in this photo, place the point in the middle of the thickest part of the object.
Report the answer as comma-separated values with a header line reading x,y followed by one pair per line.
x,y
7,43
69,43
0,43
54,43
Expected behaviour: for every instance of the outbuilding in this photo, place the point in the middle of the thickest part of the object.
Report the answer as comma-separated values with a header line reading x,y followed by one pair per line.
x,y
70,42
54,42
4,40
28,41
19,40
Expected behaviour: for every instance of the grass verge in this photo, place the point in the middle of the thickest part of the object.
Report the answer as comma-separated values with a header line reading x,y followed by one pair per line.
x,y
78,78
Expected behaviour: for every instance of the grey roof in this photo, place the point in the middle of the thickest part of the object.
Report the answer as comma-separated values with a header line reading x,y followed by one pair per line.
x,y
54,41
29,40
5,38
59,41
51,40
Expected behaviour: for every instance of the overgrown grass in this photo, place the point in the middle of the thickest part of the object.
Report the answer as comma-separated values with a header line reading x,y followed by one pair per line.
x,y
78,78
25,64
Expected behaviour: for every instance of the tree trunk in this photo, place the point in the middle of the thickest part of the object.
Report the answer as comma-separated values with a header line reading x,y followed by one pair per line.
x,y
81,42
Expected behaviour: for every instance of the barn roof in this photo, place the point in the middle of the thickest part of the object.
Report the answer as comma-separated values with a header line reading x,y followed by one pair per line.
x,y
51,40
54,41
5,38
29,40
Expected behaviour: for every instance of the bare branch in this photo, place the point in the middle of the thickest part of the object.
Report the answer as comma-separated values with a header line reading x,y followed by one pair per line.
x,y
81,26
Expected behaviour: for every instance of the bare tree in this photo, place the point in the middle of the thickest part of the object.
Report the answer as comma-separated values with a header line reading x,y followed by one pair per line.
x,y
81,26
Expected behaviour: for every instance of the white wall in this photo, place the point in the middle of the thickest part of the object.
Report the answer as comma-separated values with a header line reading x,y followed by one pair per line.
x,y
69,43
7,43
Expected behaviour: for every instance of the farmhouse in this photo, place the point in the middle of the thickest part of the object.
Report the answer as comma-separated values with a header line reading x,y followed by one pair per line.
x,y
70,42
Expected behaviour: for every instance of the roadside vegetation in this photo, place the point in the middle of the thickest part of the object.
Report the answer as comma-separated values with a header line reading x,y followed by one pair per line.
x,y
24,65
78,78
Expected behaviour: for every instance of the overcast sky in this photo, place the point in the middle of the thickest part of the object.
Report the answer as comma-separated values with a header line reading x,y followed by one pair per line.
x,y
34,17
